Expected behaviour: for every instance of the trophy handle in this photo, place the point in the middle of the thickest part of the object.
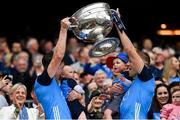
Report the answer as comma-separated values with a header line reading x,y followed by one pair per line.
x,y
117,20
74,27
74,23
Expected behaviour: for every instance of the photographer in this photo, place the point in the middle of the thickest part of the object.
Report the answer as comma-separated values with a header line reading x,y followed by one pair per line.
x,y
5,86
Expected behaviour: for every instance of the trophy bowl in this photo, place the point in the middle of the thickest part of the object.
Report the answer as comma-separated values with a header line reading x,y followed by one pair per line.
x,y
92,23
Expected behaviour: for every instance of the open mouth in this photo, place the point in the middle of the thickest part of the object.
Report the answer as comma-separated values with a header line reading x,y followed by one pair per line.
x,y
20,98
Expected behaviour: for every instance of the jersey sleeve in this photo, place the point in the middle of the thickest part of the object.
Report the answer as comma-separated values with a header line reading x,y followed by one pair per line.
x,y
44,78
145,74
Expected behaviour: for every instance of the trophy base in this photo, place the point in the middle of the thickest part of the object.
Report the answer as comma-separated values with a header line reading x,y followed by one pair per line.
x,y
104,47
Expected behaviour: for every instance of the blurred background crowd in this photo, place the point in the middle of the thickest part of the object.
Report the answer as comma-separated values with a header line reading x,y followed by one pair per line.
x,y
21,56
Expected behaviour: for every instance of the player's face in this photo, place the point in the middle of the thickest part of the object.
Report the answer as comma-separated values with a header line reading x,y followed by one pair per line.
x,y
132,70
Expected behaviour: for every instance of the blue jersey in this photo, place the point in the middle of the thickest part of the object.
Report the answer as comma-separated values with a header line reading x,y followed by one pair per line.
x,y
67,84
137,100
156,115
52,100
174,79
124,85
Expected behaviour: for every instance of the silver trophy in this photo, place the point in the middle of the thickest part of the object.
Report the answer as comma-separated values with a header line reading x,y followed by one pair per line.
x,y
93,23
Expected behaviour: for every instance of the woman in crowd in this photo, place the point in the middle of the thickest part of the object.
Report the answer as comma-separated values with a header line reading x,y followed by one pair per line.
x,y
172,111
18,110
161,97
170,71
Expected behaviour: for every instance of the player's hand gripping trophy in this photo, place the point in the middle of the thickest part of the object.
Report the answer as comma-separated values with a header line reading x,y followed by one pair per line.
x,y
93,23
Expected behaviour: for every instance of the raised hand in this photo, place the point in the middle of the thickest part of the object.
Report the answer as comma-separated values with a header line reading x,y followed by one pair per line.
x,y
118,13
18,108
74,95
117,89
65,23
3,82
117,19
74,22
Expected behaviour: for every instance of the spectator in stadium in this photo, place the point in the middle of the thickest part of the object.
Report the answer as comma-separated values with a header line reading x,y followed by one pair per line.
x,y
21,72
5,86
5,53
171,69
172,111
118,65
68,83
173,86
157,67
78,66
16,47
162,97
18,110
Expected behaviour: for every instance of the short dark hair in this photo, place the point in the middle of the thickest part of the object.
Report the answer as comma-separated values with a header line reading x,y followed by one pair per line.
x,y
173,84
83,74
95,94
47,59
8,76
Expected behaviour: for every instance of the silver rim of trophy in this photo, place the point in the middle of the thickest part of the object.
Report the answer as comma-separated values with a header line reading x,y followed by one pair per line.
x,y
94,23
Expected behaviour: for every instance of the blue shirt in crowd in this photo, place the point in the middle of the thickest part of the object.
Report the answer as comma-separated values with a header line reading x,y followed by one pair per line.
x,y
174,79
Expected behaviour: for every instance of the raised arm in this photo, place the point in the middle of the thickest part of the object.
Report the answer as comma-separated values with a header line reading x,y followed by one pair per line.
x,y
129,48
59,48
